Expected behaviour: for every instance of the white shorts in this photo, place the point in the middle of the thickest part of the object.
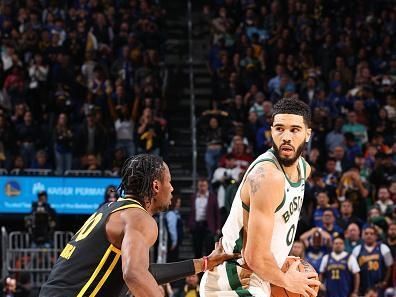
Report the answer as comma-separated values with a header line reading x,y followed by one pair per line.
x,y
224,281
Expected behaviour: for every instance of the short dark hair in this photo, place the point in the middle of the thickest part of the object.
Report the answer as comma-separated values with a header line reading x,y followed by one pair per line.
x,y
292,106
138,174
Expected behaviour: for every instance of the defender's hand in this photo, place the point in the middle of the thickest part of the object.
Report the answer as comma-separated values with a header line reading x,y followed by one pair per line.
x,y
244,276
218,256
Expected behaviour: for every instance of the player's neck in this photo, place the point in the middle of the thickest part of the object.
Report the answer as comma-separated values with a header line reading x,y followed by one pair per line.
x,y
292,172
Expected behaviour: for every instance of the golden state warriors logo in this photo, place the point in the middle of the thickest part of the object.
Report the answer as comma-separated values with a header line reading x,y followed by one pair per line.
x,y
12,188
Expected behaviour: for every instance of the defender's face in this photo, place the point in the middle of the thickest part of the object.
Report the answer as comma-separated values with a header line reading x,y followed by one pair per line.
x,y
164,190
289,133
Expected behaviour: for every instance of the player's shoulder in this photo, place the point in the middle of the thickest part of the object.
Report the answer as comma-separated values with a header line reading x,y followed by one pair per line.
x,y
137,215
267,171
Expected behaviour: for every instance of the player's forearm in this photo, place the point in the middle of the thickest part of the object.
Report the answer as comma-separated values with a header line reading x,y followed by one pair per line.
x,y
169,272
142,284
266,268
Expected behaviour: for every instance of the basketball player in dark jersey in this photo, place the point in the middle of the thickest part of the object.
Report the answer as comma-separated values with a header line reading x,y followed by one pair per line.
x,y
112,248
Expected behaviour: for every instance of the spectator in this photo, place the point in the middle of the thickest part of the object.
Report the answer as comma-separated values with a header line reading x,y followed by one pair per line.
x,y
204,221
375,261
317,243
41,161
329,225
358,130
191,288
352,237
239,153
9,287
230,193
38,74
166,290
391,242
124,123
383,171
351,187
347,217
298,249
110,195
339,155
27,138
339,272
331,177
335,138
322,204
214,145
41,222
91,138
352,148
149,134
63,144
7,142
376,220
174,225
222,178
384,201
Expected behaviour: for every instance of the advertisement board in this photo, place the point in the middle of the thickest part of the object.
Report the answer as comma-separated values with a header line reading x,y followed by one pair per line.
x,y
68,195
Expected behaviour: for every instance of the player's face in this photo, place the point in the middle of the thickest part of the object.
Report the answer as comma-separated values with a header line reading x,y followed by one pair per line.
x,y
289,134
164,191
338,245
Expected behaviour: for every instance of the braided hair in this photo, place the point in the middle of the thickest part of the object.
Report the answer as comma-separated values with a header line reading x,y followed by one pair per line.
x,y
138,174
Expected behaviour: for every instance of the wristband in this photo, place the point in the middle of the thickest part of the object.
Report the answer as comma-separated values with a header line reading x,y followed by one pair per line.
x,y
205,265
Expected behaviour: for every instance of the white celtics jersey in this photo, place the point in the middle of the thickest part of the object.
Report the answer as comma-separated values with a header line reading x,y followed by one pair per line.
x,y
285,226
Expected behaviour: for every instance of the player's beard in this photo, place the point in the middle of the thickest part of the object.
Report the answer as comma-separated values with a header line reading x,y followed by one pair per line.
x,y
287,162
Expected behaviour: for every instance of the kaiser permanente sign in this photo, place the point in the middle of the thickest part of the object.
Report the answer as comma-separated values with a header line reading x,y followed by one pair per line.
x,y
68,195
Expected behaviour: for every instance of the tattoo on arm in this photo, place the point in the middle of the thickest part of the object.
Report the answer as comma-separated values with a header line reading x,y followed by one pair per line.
x,y
255,179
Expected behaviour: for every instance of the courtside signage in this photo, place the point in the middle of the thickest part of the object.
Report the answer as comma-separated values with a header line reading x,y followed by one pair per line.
x,y
68,195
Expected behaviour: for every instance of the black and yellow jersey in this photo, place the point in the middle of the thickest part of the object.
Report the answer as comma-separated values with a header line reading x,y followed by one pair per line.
x,y
89,265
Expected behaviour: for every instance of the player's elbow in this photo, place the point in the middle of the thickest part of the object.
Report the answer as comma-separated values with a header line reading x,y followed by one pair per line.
x,y
249,259
255,261
133,277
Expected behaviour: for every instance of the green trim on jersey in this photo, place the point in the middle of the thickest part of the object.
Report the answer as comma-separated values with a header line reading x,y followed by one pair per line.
x,y
281,204
305,168
294,184
234,281
245,207
232,272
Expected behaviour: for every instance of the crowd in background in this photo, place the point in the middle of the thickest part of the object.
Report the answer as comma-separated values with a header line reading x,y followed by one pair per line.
x,y
81,83
340,58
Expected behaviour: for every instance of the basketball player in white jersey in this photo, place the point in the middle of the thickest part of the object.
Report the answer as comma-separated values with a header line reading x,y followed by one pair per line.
x,y
265,212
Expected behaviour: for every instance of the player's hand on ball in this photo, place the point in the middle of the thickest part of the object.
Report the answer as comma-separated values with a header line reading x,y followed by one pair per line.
x,y
218,256
301,282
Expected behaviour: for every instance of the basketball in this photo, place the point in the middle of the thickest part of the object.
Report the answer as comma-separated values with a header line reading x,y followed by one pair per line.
x,y
304,266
